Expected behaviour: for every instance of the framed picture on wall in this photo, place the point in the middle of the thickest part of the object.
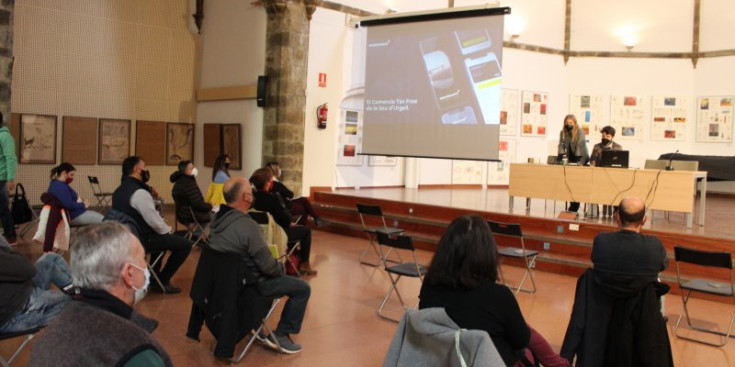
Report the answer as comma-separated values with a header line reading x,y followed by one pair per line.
x,y
37,139
114,141
179,142
231,145
77,137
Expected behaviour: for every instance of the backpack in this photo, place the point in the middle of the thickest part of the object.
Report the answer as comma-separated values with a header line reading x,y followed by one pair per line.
x,y
20,209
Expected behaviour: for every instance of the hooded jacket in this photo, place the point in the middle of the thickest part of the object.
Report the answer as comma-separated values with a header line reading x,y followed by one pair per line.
x,y
186,194
233,231
8,160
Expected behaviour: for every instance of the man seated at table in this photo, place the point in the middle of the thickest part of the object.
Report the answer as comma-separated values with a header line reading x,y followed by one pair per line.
x,y
607,143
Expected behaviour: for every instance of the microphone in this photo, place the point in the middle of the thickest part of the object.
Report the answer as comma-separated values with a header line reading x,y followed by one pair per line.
x,y
669,167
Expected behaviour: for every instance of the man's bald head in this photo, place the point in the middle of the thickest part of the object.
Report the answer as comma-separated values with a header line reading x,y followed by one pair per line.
x,y
234,191
632,211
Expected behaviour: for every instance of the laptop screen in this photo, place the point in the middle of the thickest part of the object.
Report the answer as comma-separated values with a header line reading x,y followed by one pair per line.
x,y
614,158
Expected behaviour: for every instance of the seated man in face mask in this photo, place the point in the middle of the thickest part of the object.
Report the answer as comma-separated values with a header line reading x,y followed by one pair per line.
x,y
607,143
100,327
187,195
134,198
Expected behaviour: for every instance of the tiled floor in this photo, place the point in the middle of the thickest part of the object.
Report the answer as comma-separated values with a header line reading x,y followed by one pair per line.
x,y
342,327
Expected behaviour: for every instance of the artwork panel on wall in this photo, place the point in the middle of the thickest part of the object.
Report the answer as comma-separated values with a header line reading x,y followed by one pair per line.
x,y
148,138
231,145
113,145
15,131
350,139
212,143
509,112
714,119
533,114
670,118
628,116
78,140
37,139
179,142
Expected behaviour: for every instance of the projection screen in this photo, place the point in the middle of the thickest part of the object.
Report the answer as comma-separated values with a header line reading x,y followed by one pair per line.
x,y
433,85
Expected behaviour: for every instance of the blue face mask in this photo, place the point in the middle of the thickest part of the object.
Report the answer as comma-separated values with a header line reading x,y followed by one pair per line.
x,y
141,292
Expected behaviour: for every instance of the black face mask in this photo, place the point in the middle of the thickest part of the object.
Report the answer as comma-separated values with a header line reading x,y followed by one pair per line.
x,y
145,176
569,127
227,165
606,141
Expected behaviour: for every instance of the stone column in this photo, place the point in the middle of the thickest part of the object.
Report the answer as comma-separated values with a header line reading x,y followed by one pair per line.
x,y
7,8
287,49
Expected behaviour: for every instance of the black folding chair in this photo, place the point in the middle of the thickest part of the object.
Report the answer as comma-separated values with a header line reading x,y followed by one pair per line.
x,y
262,219
514,233
373,211
27,336
192,226
407,269
104,199
704,259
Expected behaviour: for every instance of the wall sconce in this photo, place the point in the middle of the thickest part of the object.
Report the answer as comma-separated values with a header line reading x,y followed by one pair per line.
x,y
629,41
514,26
391,11
513,37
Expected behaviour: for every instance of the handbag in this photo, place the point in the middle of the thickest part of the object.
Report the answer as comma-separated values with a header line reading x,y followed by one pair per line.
x,y
20,209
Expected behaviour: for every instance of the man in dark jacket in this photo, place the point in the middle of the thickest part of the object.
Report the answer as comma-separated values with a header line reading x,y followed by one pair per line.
x,y
99,327
233,231
134,198
628,251
25,300
187,195
266,201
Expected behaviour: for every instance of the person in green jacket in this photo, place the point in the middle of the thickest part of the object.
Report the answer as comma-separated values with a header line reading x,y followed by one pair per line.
x,y
8,168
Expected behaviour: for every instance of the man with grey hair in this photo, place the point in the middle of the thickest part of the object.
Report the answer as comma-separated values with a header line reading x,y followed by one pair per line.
x,y
233,231
99,327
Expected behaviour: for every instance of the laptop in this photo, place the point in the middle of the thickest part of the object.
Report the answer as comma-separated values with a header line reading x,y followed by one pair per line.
x,y
614,158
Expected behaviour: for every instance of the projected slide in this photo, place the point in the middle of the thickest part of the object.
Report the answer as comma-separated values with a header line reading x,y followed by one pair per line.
x,y
433,88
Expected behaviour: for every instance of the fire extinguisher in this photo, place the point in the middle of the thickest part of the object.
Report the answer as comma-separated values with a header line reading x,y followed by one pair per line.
x,y
321,116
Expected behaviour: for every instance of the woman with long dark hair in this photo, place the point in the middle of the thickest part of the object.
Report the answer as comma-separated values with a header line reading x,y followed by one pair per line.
x,y
220,174
61,179
573,147
298,206
462,279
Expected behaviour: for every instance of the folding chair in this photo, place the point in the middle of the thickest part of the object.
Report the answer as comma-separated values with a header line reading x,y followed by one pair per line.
x,y
153,260
721,260
262,219
513,231
104,199
255,334
28,334
192,226
408,269
374,211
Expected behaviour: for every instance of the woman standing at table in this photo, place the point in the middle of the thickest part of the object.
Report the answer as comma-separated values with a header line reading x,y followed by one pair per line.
x,y
573,147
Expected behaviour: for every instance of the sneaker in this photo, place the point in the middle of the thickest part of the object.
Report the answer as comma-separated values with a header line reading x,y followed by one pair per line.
x,y
287,345
265,339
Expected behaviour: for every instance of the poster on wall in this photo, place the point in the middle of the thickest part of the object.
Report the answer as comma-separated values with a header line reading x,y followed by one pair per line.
x,y
509,112
350,139
499,172
533,116
669,118
589,111
714,119
628,116
467,172
38,139
113,144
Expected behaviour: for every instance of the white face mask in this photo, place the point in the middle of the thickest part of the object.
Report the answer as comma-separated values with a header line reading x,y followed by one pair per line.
x,y
194,172
141,292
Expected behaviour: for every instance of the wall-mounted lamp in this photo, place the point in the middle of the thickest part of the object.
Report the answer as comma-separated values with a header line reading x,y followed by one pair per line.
x,y
514,26
629,41
513,37
391,11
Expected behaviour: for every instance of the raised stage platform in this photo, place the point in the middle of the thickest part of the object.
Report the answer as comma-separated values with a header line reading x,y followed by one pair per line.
x,y
564,245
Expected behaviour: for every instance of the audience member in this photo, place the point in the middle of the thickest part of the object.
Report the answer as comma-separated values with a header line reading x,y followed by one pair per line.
x,y
299,206
220,174
8,167
266,201
462,279
134,198
233,231
187,195
25,300
61,179
100,327
573,147
628,251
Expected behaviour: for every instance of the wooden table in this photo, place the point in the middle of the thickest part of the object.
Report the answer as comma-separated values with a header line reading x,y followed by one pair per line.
x,y
661,190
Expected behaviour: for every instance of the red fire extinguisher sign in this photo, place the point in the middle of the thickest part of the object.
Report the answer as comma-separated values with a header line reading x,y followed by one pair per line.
x,y
322,80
